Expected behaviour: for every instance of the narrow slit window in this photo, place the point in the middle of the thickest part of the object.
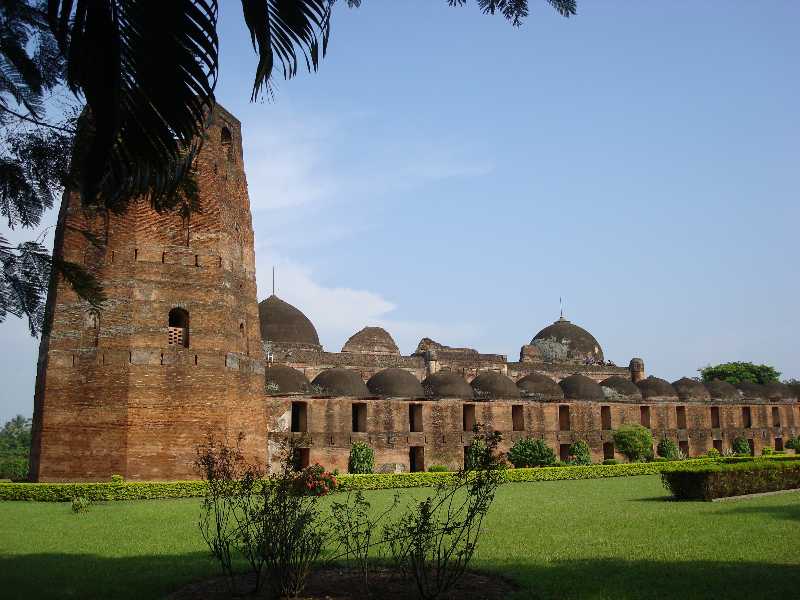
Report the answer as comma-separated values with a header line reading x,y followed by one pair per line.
x,y
605,417
644,416
517,417
608,450
776,416
299,416
747,419
563,417
715,417
680,413
359,417
469,417
415,417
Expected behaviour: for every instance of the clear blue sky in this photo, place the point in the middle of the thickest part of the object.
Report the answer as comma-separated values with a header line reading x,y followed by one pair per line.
x,y
445,174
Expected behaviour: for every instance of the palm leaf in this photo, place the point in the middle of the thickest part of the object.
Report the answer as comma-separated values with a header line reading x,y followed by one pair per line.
x,y
148,72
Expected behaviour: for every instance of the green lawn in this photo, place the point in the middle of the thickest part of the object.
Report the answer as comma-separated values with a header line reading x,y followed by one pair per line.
x,y
602,538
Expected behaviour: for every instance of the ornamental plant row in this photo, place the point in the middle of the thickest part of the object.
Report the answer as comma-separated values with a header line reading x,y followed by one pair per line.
x,y
726,479
150,490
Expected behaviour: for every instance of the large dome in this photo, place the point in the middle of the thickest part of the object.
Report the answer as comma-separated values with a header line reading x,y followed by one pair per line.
x,y
580,387
655,387
689,389
620,386
575,342
282,323
394,382
371,340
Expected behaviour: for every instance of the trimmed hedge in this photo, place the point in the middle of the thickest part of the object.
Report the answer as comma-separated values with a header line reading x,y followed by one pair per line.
x,y
725,479
147,490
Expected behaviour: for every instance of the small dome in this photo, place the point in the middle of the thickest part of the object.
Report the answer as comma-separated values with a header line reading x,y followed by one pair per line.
x,y
280,379
722,390
491,384
371,340
622,386
655,387
541,386
284,324
751,390
778,391
580,387
578,343
447,384
398,383
341,382
690,389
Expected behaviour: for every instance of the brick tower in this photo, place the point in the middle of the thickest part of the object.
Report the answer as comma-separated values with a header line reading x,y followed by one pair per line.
x,y
175,352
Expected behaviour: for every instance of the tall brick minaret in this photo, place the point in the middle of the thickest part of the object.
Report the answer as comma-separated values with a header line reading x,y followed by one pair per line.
x,y
175,352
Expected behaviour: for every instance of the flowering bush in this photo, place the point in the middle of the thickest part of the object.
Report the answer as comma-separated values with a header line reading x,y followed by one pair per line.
x,y
316,481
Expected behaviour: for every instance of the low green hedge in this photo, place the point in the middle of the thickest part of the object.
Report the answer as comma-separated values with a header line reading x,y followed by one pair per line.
x,y
147,490
732,478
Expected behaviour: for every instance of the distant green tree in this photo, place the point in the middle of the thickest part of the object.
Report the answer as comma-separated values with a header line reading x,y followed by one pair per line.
x,y
737,372
668,449
579,453
634,442
15,447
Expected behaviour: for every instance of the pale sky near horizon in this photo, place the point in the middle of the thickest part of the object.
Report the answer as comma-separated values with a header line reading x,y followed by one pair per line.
x,y
447,175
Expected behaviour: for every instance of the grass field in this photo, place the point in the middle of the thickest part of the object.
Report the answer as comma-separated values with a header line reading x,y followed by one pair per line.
x,y
603,538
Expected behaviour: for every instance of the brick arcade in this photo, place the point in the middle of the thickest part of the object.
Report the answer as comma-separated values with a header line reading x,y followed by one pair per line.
x,y
183,348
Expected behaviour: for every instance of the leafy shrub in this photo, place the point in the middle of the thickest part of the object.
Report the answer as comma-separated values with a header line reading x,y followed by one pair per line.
x,y
660,459
740,445
579,453
475,451
435,538
362,458
793,444
712,453
766,451
80,504
707,482
634,442
316,481
117,479
610,461
667,449
530,452
438,469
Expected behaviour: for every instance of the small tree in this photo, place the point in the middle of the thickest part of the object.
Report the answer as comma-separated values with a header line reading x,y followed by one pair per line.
x,y
530,452
362,458
579,453
741,445
634,442
738,372
668,449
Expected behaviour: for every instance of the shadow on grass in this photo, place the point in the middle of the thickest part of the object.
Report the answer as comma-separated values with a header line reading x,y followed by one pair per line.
x,y
150,577
622,579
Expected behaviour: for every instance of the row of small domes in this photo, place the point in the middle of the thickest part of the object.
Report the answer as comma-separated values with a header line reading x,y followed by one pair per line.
x,y
400,383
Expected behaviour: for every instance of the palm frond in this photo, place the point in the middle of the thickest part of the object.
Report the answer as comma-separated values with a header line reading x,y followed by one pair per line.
x,y
516,10
288,32
148,72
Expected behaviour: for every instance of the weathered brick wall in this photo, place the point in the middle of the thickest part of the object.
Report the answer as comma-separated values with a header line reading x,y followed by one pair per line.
x,y
112,395
329,427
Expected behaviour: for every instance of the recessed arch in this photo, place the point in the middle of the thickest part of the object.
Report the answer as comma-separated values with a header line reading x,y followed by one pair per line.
x,y
178,325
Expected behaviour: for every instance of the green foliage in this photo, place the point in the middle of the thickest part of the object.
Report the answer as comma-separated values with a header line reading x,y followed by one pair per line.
x,y
740,445
737,372
316,481
80,504
362,458
472,457
713,453
610,461
668,449
634,442
15,445
438,469
117,479
721,480
530,452
766,451
793,444
579,453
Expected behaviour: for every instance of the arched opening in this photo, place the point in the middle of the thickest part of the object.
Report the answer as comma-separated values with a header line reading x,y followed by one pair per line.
x,y
227,142
178,327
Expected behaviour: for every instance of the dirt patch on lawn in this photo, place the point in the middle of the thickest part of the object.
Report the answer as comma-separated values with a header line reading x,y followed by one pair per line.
x,y
345,584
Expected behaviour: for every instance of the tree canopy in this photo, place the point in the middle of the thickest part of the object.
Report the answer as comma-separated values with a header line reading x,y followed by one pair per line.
x,y
143,76
738,372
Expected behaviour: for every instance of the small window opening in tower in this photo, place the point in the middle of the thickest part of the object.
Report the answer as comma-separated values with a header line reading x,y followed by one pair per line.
x,y
227,142
178,327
